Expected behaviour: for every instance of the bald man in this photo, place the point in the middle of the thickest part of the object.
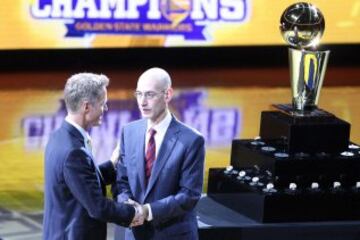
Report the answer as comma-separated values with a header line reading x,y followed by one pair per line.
x,y
161,164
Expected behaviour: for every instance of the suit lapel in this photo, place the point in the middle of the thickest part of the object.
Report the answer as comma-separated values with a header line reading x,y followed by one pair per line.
x,y
140,154
166,148
73,131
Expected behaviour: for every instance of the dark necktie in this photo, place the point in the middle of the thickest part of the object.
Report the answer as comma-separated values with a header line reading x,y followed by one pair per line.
x,y
150,154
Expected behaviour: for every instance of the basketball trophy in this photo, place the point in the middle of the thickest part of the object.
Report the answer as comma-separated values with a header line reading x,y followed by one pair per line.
x,y
302,125
302,26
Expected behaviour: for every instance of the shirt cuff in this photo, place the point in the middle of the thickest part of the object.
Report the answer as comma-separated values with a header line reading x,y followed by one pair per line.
x,y
150,216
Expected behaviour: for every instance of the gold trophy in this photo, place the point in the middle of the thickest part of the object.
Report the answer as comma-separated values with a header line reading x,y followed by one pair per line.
x,y
302,126
302,26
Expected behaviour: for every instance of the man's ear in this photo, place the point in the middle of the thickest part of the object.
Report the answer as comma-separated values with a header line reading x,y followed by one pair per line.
x,y
169,94
85,106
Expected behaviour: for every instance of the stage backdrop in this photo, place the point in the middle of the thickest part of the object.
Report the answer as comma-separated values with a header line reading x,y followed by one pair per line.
x,y
220,114
48,24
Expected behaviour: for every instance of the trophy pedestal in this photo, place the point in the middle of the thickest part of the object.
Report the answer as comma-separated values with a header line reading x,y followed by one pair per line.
x,y
303,168
299,167
282,206
309,133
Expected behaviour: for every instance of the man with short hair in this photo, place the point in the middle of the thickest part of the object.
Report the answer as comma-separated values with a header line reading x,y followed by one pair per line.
x,y
161,165
75,204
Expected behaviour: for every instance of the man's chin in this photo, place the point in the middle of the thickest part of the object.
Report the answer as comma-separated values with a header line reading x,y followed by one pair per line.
x,y
145,115
98,123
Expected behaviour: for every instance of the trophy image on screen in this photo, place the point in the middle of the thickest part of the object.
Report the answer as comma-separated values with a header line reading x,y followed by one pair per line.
x,y
302,26
302,167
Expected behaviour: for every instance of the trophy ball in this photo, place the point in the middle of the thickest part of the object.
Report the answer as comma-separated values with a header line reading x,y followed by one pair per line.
x,y
302,25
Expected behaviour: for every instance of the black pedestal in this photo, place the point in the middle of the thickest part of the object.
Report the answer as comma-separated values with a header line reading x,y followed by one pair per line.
x,y
283,205
298,167
303,168
322,133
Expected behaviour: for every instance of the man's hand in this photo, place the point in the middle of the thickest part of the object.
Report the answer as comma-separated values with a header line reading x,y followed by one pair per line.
x,y
115,155
145,210
141,213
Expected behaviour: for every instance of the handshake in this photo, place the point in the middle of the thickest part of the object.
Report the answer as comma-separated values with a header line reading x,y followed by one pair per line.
x,y
141,213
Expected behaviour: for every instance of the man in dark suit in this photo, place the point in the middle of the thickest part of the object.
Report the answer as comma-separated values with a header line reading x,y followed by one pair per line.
x,y
161,165
75,204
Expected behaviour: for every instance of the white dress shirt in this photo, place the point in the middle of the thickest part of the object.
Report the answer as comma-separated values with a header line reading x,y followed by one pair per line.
x,y
160,129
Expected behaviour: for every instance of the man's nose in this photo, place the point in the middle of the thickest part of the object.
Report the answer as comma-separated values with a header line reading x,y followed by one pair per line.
x,y
142,100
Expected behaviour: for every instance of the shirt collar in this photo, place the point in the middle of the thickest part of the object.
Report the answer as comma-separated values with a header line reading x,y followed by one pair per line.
x,y
84,133
163,125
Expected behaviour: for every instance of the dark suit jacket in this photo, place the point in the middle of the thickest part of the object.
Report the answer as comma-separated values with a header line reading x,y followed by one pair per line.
x,y
175,184
75,203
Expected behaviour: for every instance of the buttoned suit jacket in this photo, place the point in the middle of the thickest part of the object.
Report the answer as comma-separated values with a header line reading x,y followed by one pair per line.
x,y
75,206
175,184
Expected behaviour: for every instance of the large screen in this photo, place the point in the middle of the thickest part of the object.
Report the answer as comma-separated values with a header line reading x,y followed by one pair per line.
x,y
61,24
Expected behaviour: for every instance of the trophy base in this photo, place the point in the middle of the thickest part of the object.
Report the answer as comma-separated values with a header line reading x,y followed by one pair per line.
x,y
318,131
298,167
282,205
308,114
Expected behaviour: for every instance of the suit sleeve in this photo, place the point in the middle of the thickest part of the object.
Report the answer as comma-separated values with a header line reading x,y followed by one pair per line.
x,y
108,172
122,181
191,181
81,178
